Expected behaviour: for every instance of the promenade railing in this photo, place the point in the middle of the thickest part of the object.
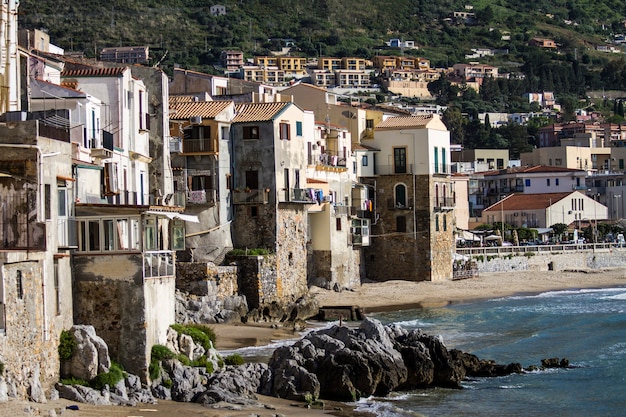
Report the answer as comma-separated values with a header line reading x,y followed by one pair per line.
x,y
565,247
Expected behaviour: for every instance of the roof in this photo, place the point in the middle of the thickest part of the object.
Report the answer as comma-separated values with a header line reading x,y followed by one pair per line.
x,y
94,72
405,122
39,88
206,109
315,181
361,147
527,201
258,112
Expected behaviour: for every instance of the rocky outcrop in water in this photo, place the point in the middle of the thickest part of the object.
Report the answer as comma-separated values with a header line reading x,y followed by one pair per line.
x,y
336,363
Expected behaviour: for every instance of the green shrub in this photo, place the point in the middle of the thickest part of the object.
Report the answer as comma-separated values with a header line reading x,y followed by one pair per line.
x,y
529,254
234,359
67,344
184,359
74,381
111,378
209,367
154,369
160,352
220,362
1,367
168,383
202,335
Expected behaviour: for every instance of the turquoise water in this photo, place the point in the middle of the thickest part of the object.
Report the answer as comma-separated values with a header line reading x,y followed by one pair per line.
x,y
588,327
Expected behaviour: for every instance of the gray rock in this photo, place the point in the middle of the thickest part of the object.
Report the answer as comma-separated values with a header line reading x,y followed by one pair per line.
x,y
4,393
35,391
90,357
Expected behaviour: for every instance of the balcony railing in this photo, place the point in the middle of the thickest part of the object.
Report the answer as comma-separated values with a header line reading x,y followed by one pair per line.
x,y
197,145
251,196
158,264
201,196
442,203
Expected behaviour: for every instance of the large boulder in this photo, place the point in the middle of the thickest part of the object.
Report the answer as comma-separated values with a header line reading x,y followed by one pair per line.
x,y
90,356
339,363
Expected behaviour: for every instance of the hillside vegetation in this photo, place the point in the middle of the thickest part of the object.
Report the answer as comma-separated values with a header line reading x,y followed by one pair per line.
x,y
194,38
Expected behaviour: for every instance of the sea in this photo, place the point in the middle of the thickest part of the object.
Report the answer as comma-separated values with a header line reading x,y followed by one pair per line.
x,y
587,327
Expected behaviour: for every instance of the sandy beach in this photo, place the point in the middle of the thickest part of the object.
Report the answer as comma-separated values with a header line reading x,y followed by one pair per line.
x,y
371,297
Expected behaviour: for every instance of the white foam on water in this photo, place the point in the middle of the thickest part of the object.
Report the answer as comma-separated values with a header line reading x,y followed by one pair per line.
x,y
383,409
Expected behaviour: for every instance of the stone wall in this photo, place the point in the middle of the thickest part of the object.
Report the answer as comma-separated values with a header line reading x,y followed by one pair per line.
x,y
291,254
29,356
533,261
109,295
421,251
201,278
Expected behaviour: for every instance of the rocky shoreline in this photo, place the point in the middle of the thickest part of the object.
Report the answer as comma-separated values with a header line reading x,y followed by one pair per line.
x,y
337,363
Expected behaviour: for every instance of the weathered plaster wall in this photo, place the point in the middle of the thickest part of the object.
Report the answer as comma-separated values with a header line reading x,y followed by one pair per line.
x,y
109,294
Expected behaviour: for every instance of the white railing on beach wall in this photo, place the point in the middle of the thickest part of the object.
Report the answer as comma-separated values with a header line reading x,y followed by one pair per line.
x,y
571,247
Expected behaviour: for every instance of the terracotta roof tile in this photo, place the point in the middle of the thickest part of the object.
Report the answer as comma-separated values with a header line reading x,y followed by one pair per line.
x,y
206,109
258,112
526,201
94,72
405,122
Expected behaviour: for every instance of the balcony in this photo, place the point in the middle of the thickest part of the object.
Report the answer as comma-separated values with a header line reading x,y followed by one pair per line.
x,y
102,147
331,159
250,196
201,196
158,264
198,146
442,204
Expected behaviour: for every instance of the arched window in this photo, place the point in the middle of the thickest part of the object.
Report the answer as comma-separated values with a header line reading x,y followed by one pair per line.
x,y
400,195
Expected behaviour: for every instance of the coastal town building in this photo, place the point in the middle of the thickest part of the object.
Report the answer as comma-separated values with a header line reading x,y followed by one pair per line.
x,y
544,210
413,198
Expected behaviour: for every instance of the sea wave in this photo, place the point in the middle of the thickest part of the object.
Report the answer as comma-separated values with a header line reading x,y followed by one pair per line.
x,y
558,293
383,409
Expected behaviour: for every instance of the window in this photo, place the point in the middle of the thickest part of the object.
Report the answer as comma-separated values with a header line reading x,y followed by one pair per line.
x,y
556,182
178,235
436,159
621,164
436,223
527,182
252,180
399,160
251,132
110,179
57,292
369,123
47,194
338,223
558,161
150,231
201,182
19,284
298,128
548,182
445,223
401,224
254,211
284,131
400,195
443,160
364,161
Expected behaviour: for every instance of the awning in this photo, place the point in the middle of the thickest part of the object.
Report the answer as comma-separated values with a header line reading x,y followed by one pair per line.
x,y
186,217
493,237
